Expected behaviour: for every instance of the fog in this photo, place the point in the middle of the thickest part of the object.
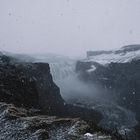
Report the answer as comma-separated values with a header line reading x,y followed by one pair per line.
x,y
72,88
68,27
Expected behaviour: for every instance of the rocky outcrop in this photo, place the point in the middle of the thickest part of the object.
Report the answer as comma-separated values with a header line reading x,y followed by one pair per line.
x,y
118,73
20,123
122,79
29,99
28,94
29,85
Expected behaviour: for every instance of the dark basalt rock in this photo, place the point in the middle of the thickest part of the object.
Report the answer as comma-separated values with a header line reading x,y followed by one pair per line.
x,y
83,113
122,79
28,85
20,123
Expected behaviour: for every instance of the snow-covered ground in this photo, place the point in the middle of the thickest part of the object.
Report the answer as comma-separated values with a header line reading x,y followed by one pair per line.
x,y
93,68
21,124
117,56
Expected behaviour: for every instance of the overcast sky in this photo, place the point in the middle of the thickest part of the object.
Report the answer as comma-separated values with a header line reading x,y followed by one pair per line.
x,y
68,27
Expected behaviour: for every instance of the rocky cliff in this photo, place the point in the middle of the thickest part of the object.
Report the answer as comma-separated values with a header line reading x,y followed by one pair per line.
x,y
117,72
29,98
28,85
120,75
31,85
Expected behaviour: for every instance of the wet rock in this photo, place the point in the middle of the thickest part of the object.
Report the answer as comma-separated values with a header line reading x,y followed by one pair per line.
x,y
42,127
29,85
13,112
42,134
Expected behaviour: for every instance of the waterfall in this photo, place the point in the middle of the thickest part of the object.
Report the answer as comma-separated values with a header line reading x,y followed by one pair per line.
x,y
61,67
61,70
80,93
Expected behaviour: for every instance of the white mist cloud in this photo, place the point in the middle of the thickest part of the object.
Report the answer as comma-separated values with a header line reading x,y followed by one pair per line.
x,y
73,88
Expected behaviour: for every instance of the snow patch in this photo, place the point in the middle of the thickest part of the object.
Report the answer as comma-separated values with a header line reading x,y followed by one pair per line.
x,y
88,135
93,68
122,57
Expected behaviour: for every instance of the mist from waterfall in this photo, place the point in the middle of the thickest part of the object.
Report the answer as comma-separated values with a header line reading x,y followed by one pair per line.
x,y
85,94
93,96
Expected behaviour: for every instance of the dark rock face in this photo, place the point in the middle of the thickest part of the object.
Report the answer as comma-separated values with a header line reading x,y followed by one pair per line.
x,y
123,79
20,123
49,93
83,113
28,85
31,85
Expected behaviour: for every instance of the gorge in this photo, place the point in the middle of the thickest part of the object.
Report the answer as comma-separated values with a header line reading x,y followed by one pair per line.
x,y
102,88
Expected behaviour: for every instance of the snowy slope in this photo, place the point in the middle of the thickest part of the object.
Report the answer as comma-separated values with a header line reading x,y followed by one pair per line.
x,y
123,55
